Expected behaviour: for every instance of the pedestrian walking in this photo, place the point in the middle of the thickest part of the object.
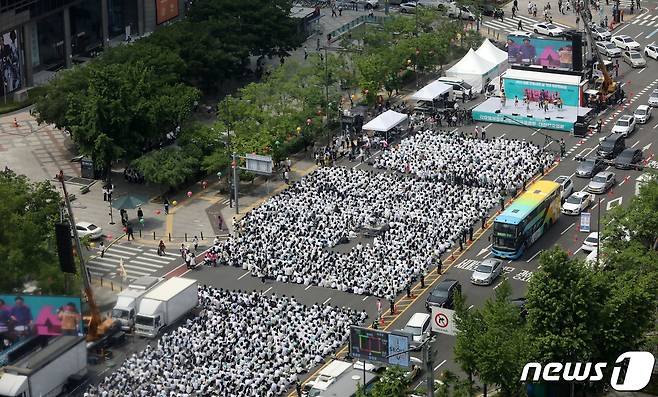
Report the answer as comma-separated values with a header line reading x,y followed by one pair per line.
x,y
305,53
391,303
298,386
166,206
140,214
519,26
439,267
183,251
161,248
408,289
129,231
317,44
195,243
483,134
484,221
470,233
286,177
220,222
340,11
422,279
101,248
333,12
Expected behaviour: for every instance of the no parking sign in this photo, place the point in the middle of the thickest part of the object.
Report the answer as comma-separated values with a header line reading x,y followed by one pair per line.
x,y
443,321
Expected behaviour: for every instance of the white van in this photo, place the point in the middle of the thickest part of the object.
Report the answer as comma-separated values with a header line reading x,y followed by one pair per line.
x,y
459,87
417,326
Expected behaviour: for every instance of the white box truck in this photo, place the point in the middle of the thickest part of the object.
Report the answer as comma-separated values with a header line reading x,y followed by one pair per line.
x,y
165,304
128,300
47,371
339,379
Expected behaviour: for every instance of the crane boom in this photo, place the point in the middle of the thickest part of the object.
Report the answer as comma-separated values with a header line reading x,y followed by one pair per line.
x,y
609,86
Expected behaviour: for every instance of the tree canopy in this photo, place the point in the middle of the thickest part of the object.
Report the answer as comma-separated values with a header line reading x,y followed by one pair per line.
x,y
27,243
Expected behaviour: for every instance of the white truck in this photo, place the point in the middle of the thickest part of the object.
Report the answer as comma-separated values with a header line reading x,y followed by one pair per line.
x,y
165,304
338,379
48,371
128,300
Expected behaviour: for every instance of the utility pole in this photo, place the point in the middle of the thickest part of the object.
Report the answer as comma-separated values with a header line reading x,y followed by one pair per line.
x,y
234,164
94,322
598,227
228,148
429,365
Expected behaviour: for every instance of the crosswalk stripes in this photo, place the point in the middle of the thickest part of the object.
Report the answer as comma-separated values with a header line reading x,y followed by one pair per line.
x,y
468,264
137,260
647,20
512,24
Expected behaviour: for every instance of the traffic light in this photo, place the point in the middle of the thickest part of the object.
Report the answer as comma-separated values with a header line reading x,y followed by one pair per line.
x,y
64,247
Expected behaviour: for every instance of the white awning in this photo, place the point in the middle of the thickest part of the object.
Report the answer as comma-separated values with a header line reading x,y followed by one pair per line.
x,y
385,121
431,91
491,53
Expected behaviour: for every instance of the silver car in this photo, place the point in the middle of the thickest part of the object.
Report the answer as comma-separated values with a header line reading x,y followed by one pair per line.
x,y
487,271
653,98
608,49
634,58
601,182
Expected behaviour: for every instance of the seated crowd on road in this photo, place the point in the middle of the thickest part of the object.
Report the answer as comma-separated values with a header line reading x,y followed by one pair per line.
x,y
242,344
309,234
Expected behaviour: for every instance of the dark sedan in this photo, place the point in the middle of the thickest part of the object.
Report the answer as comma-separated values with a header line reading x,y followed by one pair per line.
x,y
443,294
628,159
589,167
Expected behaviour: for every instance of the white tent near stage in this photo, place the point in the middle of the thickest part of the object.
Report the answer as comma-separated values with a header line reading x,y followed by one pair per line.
x,y
490,53
431,91
474,70
386,121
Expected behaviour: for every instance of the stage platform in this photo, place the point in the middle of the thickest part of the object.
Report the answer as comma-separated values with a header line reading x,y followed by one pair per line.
x,y
563,119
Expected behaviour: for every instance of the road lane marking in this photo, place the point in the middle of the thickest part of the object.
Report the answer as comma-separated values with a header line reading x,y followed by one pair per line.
x,y
620,29
487,126
267,290
309,286
597,203
635,144
325,302
363,300
244,275
578,250
567,229
440,364
639,34
470,307
641,70
534,256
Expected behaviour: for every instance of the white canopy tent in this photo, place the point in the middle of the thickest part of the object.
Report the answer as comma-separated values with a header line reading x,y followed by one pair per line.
x,y
386,121
431,91
474,70
490,53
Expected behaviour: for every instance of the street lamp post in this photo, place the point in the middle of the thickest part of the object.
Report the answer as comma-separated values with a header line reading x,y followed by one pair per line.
x,y
228,147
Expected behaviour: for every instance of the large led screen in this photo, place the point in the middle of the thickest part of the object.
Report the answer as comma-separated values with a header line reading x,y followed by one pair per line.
x,y
550,53
539,91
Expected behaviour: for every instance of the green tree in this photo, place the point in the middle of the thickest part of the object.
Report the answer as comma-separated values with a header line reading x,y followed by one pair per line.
x,y
27,244
171,166
392,383
471,326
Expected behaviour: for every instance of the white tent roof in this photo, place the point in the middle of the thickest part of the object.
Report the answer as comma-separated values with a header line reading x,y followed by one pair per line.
x,y
472,63
491,53
385,121
431,91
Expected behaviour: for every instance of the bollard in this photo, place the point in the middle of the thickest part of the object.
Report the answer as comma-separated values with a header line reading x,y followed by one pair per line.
x,y
112,285
140,233
169,236
101,281
201,235
186,237
153,235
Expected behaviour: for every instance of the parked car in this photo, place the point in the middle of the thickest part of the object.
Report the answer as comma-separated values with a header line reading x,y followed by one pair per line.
x,y
417,327
577,203
624,126
591,242
487,271
443,294
547,29
625,42
600,33
651,51
460,12
491,10
642,114
653,98
611,146
88,229
608,49
589,167
634,58
408,8
601,183
521,33
628,158
567,185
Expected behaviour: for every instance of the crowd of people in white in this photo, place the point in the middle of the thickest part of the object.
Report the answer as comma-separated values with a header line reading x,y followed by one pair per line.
x,y
242,344
497,164
438,185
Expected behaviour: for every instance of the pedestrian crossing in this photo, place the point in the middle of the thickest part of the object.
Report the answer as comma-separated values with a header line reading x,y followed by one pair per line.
x,y
138,260
648,19
512,24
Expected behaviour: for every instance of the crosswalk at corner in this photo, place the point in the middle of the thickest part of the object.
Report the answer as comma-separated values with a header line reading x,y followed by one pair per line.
x,y
138,260
512,24
646,19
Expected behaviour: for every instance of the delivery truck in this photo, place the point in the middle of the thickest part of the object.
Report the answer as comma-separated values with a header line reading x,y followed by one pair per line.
x,y
47,371
128,300
165,304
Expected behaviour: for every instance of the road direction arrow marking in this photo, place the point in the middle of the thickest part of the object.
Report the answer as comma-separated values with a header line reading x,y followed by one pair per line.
x,y
646,147
484,250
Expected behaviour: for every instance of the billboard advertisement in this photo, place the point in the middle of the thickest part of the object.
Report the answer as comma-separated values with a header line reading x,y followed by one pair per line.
x,y
550,53
23,316
538,91
488,117
380,346
10,65
165,10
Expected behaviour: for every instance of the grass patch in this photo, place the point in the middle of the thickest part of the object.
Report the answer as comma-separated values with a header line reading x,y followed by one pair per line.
x,y
10,106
